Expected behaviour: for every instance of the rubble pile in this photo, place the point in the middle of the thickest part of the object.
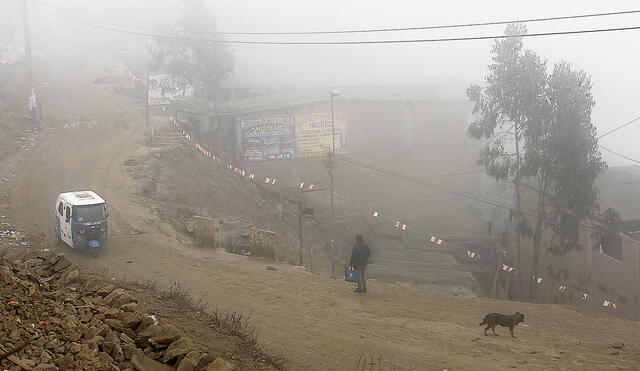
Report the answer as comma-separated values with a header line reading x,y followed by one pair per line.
x,y
26,139
56,317
12,236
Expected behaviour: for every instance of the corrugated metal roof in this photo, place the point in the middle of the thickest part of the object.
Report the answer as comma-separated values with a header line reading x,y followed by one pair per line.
x,y
194,106
297,97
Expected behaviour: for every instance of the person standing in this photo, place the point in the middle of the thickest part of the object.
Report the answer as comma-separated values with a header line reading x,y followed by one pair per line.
x,y
33,107
359,258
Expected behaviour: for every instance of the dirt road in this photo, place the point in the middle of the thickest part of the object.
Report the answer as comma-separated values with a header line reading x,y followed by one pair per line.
x,y
315,322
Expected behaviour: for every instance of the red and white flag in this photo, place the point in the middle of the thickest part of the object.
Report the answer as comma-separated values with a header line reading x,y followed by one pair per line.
x,y
507,268
585,296
403,227
609,304
561,288
473,254
437,241
270,180
252,176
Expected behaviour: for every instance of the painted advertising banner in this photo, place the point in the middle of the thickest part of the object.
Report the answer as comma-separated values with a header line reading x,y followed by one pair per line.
x,y
313,134
268,138
163,89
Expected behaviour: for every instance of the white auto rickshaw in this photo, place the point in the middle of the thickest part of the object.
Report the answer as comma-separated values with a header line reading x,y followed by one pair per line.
x,y
81,219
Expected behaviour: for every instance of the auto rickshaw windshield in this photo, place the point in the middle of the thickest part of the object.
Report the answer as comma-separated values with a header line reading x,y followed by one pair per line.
x,y
89,213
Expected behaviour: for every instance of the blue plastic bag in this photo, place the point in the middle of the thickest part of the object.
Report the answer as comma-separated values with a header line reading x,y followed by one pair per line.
x,y
350,275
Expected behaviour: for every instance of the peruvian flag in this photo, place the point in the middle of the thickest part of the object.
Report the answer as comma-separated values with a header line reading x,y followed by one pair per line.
x,y
507,268
609,304
473,254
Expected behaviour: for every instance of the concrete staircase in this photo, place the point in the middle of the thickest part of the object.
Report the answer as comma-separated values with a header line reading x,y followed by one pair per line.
x,y
422,267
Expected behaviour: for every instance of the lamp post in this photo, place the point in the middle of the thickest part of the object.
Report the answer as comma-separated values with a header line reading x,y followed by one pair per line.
x,y
332,164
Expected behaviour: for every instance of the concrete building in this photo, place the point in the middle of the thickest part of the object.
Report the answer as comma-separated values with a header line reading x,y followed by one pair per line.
x,y
404,153
606,267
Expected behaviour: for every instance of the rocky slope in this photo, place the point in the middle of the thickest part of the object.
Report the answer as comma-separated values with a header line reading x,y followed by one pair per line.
x,y
56,317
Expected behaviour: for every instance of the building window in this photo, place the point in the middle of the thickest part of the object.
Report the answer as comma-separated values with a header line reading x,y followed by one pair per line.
x,y
612,244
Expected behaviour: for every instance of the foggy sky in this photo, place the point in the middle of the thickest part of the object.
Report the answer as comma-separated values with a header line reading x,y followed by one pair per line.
x,y
610,58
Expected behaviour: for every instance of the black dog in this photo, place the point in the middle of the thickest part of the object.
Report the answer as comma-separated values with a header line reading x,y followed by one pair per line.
x,y
493,319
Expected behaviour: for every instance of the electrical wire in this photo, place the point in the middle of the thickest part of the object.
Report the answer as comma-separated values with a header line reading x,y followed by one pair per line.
x,y
393,29
429,185
619,154
359,42
619,127
60,10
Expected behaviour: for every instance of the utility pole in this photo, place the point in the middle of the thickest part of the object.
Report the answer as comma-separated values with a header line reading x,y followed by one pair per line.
x,y
149,50
146,102
300,241
146,109
332,164
27,43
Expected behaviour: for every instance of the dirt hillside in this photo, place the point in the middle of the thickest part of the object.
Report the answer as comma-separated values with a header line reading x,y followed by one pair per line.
x,y
176,183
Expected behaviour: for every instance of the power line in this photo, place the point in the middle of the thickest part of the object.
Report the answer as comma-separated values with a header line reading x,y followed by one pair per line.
x,y
361,42
61,9
417,181
459,25
393,29
619,127
619,154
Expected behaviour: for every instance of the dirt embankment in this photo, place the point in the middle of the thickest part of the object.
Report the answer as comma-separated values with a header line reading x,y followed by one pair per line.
x,y
56,316
177,183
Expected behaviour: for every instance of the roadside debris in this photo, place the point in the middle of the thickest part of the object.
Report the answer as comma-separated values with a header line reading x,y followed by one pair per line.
x,y
26,140
13,236
90,124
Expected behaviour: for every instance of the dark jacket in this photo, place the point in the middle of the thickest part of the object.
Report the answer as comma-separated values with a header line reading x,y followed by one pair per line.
x,y
360,255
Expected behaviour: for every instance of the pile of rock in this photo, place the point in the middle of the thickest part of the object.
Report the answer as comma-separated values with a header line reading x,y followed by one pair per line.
x,y
56,317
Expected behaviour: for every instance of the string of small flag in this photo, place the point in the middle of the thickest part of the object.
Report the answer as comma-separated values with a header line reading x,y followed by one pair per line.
x,y
396,222
208,154
229,166
134,77
302,186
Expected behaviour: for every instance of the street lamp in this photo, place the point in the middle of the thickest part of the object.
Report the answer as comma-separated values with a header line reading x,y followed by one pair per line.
x,y
332,164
